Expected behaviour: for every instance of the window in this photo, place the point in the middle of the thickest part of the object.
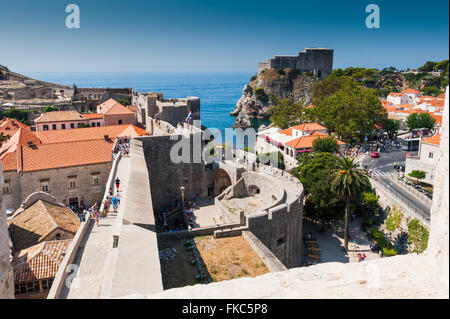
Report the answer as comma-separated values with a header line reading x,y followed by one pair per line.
x,y
72,182
79,124
96,179
44,284
72,125
58,236
6,189
54,126
430,155
120,122
44,186
45,127
63,126
281,241
98,123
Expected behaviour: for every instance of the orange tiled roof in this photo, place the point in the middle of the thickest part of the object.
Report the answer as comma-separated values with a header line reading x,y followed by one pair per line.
x,y
40,261
395,94
58,155
411,91
132,108
436,140
88,133
305,127
59,116
93,115
21,137
34,224
306,141
112,107
11,126
438,118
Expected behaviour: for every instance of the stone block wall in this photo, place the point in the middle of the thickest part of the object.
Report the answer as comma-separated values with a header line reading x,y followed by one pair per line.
x,y
29,182
6,272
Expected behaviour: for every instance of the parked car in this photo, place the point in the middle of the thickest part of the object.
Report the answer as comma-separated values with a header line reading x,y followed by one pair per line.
x,y
375,155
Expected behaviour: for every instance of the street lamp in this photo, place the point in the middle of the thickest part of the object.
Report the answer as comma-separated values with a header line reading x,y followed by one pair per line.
x,y
182,189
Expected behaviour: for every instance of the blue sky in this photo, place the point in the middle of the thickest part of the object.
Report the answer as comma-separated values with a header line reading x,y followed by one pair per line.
x,y
212,35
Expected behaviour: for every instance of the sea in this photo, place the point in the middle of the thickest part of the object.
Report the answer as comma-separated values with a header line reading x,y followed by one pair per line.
x,y
218,92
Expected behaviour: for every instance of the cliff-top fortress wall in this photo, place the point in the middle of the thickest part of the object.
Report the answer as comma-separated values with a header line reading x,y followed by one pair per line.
x,y
316,60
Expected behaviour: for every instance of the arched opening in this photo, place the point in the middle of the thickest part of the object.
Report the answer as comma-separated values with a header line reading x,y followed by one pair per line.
x,y
253,190
221,181
57,236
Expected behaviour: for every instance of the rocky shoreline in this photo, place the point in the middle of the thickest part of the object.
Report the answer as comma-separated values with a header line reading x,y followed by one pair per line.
x,y
258,95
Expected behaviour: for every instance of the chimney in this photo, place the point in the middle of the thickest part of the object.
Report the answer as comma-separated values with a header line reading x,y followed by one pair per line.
x,y
106,136
30,143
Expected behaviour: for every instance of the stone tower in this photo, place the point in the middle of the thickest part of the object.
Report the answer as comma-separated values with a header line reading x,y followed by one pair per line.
x,y
6,273
319,61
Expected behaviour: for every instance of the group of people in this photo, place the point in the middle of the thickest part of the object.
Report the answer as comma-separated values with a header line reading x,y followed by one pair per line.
x,y
368,148
122,146
189,207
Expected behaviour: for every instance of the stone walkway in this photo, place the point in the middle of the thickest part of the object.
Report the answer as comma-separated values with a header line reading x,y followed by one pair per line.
x,y
331,242
94,249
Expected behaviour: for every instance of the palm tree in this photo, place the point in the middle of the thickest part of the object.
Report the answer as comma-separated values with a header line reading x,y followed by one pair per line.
x,y
347,182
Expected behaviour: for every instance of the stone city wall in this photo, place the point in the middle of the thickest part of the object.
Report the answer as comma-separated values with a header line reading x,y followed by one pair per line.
x,y
6,272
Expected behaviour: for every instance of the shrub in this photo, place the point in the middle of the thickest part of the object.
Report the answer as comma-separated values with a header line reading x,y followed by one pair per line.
x,y
394,219
253,78
417,236
370,200
261,95
368,222
281,72
383,243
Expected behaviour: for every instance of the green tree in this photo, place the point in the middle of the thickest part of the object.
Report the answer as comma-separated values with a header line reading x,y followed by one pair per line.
x,y
327,87
427,67
313,171
417,174
370,201
82,125
287,113
417,236
351,112
391,127
124,102
50,108
4,138
347,182
261,95
326,144
431,91
420,120
20,115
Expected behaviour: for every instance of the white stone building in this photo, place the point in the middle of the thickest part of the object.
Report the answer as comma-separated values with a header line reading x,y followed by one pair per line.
x,y
426,160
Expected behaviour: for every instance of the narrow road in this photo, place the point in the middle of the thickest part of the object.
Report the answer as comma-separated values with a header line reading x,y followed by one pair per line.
x,y
413,203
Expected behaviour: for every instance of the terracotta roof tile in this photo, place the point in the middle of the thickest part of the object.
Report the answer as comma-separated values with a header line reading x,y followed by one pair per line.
x,y
436,140
41,261
93,115
88,133
411,91
58,155
59,116
305,127
111,107
34,224
306,141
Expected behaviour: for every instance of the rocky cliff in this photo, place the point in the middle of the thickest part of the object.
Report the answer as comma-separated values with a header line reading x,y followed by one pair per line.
x,y
258,95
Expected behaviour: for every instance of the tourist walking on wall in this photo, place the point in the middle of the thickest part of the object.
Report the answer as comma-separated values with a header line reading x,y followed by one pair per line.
x,y
105,207
115,202
117,183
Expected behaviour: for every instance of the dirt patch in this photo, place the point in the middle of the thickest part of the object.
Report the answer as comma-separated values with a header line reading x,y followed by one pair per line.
x,y
229,258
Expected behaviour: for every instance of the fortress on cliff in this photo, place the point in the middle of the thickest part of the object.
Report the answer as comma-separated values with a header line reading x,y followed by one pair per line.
x,y
319,61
